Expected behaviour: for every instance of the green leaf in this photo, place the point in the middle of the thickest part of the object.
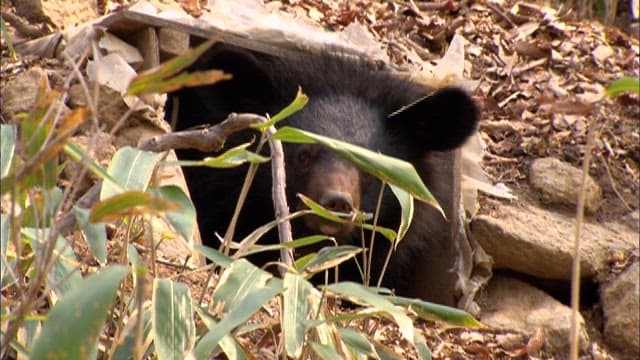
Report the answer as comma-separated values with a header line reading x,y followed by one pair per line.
x,y
357,342
4,233
624,85
421,347
406,216
131,169
385,353
4,243
248,244
7,147
296,105
214,255
163,75
186,79
345,218
228,343
359,294
431,311
238,281
124,349
294,244
94,233
182,220
325,352
134,257
35,131
42,210
241,312
77,154
129,203
231,158
329,257
7,39
72,327
297,310
65,275
173,326
386,168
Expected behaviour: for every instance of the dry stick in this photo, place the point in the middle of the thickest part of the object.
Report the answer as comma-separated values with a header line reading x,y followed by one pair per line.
x,y
280,198
373,235
501,14
206,140
244,191
575,271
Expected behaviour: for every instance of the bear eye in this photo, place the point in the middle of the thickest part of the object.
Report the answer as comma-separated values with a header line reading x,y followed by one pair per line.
x,y
304,157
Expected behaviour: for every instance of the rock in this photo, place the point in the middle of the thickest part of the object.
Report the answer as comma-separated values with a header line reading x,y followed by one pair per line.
x,y
559,183
540,243
511,304
19,94
620,304
110,105
61,13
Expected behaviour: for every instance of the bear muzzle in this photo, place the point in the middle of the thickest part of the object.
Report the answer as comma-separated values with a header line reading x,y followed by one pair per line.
x,y
335,201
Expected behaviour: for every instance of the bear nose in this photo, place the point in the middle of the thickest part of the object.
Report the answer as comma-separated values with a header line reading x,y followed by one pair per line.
x,y
337,201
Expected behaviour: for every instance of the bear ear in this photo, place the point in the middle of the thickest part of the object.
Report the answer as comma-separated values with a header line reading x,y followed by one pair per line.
x,y
440,121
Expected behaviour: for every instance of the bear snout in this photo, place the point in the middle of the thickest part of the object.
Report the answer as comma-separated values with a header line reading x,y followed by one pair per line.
x,y
337,201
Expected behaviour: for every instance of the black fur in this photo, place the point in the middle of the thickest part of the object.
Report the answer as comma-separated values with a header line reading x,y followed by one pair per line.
x,y
349,101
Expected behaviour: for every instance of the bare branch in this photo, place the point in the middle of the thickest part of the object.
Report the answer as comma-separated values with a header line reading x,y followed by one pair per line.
x,y
206,140
280,198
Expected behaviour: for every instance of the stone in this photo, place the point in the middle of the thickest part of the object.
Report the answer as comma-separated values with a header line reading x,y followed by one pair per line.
x,y
172,42
110,105
510,304
21,95
620,305
63,14
560,183
538,242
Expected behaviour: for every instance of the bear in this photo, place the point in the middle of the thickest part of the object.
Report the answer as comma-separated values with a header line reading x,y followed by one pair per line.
x,y
352,101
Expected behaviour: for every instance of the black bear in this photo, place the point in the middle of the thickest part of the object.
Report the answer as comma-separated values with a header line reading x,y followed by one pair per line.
x,y
349,101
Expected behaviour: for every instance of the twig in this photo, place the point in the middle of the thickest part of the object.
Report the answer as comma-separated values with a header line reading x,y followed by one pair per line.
x,y
500,14
23,27
446,5
575,268
280,198
206,140
373,238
